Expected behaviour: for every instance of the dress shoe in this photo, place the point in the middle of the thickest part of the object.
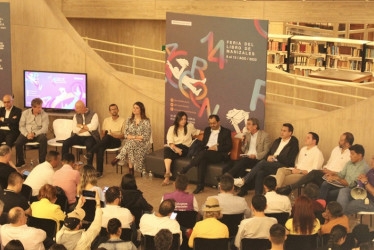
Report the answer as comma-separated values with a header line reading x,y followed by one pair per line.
x,y
99,174
238,182
242,193
198,189
115,161
286,190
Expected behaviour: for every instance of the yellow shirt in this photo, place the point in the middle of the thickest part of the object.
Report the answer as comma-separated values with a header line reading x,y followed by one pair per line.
x,y
209,228
44,209
289,227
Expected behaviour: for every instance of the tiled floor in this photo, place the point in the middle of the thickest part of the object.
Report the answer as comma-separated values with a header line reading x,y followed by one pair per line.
x,y
151,188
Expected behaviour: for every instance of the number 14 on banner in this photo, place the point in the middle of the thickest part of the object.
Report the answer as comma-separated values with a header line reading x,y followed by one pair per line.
x,y
220,46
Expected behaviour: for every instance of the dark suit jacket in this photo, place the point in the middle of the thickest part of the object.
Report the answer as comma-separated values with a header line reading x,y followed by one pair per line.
x,y
262,144
13,120
224,140
288,154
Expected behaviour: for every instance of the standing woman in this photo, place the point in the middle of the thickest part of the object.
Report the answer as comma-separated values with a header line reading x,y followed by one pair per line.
x,y
137,136
179,139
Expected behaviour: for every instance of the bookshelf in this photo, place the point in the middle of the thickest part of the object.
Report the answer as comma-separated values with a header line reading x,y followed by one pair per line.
x,y
278,51
369,57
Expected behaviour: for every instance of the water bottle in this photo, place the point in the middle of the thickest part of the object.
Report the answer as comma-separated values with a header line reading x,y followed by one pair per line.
x,y
32,163
150,175
292,198
144,174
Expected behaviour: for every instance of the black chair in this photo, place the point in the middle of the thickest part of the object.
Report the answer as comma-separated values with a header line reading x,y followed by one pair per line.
x,y
26,192
125,235
232,221
307,242
90,208
49,226
281,217
186,219
149,242
255,244
62,201
4,218
216,244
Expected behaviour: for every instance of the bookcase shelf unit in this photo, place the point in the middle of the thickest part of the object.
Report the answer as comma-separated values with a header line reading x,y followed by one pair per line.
x,y
369,57
278,51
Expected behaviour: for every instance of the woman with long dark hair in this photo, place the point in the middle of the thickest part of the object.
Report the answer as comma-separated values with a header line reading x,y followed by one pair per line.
x,y
337,238
179,139
303,221
137,139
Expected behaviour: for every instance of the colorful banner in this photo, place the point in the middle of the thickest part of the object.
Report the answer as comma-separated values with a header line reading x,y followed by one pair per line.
x,y
5,49
215,65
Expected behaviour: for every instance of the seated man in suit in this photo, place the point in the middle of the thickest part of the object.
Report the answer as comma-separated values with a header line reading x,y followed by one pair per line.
x,y
9,121
85,130
256,144
218,143
111,136
33,127
282,153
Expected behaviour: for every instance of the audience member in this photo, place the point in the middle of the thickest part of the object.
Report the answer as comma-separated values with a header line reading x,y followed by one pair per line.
x,y
85,130
340,155
163,240
114,229
282,153
228,202
276,203
345,178
31,238
184,201
217,145
310,158
132,198
277,236
68,177
10,116
43,173
334,216
89,182
11,195
367,182
45,207
256,145
337,238
33,126
210,227
14,245
112,132
304,221
311,191
137,139
150,224
6,166
71,235
113,210
259,225
362,237
179,139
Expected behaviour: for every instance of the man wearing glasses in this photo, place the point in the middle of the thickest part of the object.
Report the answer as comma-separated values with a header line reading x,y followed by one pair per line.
x,y
9,120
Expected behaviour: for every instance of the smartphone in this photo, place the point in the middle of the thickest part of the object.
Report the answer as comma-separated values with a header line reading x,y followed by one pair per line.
x,y
173,216
26,173
90,194
105,189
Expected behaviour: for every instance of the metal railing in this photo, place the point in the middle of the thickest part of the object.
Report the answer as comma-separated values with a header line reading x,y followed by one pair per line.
x,y
300,90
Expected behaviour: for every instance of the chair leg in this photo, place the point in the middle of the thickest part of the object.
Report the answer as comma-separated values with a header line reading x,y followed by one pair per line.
x,y
106,157
371,221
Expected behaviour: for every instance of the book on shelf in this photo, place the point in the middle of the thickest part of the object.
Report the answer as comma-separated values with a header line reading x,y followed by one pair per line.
x,y
333,49
311,48
277,46
276,58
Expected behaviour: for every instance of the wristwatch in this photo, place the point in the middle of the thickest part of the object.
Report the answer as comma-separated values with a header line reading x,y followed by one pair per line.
x,y
365,183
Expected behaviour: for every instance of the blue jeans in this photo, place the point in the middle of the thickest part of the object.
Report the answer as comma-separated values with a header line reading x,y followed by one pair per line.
x,y
356,206
344,197
328,190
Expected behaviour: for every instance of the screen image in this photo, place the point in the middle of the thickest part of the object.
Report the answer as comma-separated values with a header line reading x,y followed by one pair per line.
x,y
57,90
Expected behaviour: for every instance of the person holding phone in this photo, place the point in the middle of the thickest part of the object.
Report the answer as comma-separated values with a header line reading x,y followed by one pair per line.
x,y
88,182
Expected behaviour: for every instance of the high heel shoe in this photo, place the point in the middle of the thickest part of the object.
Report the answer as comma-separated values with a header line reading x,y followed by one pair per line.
x,y
131,171
166,180
115,161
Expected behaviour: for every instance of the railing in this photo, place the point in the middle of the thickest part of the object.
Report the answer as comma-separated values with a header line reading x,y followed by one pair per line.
x,y
282,87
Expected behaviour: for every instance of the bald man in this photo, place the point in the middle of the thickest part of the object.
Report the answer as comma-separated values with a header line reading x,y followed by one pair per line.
x,y
85,130
9,121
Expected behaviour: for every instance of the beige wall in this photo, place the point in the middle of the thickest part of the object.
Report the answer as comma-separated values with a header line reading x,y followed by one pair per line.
x,y
42,39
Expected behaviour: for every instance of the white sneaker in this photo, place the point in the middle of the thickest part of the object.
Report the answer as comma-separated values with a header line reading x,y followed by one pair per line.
x,y
239,182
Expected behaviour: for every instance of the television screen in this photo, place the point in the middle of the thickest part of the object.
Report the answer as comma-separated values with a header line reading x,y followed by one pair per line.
x,y
58,90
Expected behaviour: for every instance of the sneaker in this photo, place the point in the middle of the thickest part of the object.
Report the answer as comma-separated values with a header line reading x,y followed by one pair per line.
x,y
239,182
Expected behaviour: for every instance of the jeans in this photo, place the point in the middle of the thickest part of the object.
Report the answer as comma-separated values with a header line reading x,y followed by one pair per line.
x,y
344,197
328,190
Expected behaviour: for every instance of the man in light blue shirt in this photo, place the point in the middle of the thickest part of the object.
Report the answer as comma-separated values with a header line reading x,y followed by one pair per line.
x,y
339,184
